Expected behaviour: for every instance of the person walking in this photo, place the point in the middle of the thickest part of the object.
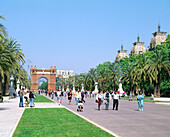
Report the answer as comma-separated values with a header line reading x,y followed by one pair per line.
x,y
130,96
21,98
86,94
98,98
69,97
60,99
140,98
52,94
82,96
102,98
107,98
116,98
78,96
31,96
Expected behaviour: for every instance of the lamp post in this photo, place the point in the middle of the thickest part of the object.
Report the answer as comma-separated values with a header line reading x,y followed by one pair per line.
x,y
96,84
18,89
11,89
59,87
96,89
118,74
67,90
82,87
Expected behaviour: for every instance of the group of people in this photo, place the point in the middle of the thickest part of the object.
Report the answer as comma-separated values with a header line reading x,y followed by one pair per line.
x,y
59,94
101,98
105,97
28,96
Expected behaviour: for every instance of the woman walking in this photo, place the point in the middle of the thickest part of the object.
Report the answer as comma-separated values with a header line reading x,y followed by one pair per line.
x,y
140,98
69,97
98,98
31,96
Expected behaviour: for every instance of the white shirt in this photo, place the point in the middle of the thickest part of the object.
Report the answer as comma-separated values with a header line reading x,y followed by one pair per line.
x,y
115,96
98,96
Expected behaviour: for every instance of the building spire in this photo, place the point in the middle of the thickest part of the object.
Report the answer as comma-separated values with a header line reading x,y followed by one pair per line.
x,y
138,38
122,47
159,27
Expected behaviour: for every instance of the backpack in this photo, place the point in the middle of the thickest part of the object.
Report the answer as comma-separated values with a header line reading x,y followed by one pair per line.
x,y
107,95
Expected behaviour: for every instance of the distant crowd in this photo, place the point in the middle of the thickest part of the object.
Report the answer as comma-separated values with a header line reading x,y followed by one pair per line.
x,y
27,97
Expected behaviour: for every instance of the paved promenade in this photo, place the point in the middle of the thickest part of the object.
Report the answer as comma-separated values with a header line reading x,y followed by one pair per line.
x,y
10,114
128,121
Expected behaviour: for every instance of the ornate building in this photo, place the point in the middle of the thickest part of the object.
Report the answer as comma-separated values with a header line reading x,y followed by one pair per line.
x,y
158,38
64,73
121,54
138,48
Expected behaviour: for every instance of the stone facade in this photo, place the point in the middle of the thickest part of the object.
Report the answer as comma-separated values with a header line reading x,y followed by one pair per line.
x,y
121,54
158,38
138,48
64,73
49,74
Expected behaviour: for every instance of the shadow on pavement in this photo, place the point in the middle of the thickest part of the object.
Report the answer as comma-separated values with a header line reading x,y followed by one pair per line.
x,y
3,109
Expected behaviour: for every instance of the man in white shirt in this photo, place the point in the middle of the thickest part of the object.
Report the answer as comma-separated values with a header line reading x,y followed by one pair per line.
x,y
116,98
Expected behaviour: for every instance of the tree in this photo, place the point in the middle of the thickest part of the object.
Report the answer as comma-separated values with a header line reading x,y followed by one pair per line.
x,y
155,63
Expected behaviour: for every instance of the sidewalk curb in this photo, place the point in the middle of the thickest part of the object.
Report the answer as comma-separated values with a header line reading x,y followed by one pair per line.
x,y
12,132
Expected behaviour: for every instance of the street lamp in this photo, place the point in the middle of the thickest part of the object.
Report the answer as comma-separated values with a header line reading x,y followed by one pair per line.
x,y
118,74
11,89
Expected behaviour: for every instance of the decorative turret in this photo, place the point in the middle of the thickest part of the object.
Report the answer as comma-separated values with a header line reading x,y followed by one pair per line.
x,y
31,67
138,47
121,54
158,38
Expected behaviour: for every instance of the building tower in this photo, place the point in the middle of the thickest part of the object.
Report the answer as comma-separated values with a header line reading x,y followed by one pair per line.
x,y
138,47
121,54
158,38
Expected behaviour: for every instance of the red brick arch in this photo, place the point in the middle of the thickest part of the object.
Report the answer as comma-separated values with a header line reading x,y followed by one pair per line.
x,y
49,74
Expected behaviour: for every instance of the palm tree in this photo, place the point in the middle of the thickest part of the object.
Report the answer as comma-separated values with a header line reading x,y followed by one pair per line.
x,y
10,57
93,75
3,33
155,63
139,70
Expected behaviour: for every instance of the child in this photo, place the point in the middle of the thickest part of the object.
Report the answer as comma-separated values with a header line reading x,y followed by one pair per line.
x,y
80,106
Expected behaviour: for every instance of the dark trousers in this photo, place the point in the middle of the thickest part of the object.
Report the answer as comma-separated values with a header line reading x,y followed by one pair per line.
x,y
99,103
21,101
115,103
82,99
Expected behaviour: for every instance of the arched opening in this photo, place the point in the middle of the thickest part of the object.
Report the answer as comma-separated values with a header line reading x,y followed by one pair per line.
x,y
43,83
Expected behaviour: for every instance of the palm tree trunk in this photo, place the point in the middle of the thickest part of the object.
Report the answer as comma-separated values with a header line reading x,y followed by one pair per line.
x,y
102,85
6,85
114,86
159,83
155,89
143,87
1,85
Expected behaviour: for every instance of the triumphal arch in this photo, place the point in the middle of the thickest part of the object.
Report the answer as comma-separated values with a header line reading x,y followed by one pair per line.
x,y
49,74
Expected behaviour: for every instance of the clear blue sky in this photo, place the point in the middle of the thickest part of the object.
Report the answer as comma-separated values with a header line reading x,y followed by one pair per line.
x,y
80,34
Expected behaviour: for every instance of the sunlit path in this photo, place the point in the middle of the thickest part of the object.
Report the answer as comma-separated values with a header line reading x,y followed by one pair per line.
x,y
128,121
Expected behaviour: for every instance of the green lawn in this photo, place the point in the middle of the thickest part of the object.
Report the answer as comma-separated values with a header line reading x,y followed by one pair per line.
x,y
55,122
42,99
147,100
